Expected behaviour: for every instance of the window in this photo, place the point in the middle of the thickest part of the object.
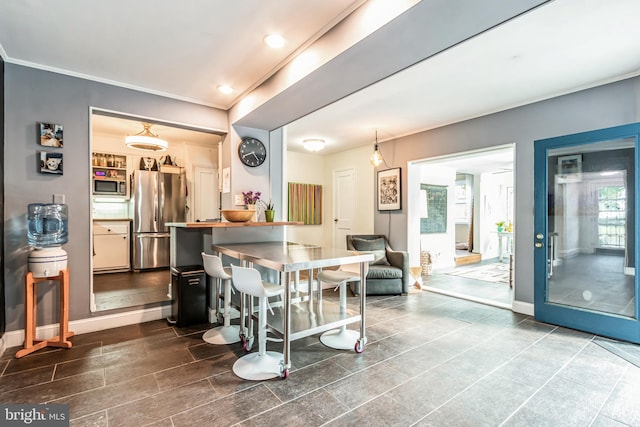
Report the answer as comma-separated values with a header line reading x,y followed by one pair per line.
x,y
612,210
463,205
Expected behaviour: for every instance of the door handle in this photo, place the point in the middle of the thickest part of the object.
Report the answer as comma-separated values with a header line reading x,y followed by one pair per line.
x,y
335,220
539,236
538,245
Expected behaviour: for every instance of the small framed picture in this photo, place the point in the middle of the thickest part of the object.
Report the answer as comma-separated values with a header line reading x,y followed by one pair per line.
x,y
569,168
50,162
226,180
51,135
389,190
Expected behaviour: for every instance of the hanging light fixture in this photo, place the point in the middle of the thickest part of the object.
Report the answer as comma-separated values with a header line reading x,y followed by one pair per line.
x,y
314,144
146,140
376,158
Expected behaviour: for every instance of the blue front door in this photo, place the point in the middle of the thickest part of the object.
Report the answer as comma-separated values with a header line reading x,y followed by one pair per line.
x,y
586,222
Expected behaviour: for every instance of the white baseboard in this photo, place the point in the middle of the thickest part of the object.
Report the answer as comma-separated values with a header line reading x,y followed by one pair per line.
x,y
630,271
523,308
91,324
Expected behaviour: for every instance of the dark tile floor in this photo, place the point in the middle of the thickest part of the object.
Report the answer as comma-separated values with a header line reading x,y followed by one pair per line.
x,y
430,360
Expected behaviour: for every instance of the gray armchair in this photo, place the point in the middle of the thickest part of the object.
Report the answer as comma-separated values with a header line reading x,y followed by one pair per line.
x,y
388,272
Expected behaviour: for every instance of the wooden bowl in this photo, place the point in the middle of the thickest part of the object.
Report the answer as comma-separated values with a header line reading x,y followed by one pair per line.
x,y
237,215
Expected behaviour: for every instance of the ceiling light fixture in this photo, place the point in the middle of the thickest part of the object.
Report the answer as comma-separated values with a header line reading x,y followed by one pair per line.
x,y
313,144
376,158
226,89
274,41
146,140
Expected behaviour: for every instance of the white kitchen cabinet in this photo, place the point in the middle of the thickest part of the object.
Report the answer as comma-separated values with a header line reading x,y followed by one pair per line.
x,y
111,243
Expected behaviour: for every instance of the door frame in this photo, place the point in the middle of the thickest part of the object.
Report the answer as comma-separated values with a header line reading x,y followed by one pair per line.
x,y
600,323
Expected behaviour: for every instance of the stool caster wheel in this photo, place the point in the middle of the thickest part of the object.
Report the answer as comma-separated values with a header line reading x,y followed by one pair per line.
x,y
247,344
284,373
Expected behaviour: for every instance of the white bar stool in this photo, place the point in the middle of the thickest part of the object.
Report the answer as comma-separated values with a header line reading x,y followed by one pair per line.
x,y
343,338
264,364
226,334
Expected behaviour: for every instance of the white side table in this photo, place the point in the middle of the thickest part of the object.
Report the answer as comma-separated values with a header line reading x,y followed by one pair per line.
x,y
507,244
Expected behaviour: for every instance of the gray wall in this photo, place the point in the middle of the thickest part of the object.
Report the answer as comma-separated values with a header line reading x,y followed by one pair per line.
x,y
3,318
33,96
601,107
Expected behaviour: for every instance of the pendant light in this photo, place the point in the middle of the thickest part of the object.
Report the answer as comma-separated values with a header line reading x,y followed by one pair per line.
x,y
146,140
376,158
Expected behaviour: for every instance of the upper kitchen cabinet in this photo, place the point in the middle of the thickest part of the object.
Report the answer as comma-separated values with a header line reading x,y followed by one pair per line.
x,y
109,174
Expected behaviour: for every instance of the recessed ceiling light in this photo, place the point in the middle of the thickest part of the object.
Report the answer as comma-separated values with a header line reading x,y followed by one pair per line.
x,y
274,41
313,144
226,89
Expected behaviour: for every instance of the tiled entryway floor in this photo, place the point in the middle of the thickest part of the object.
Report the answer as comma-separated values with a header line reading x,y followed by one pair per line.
x,y
430,360
496,293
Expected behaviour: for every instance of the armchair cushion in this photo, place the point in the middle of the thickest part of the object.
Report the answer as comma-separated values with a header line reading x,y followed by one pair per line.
x,y
390,278
375,246
384,272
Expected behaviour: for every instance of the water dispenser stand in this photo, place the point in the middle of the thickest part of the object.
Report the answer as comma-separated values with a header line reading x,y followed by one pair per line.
x,y
32,344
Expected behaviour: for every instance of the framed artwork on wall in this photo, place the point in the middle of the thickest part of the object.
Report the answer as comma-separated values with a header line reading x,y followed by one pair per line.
x,y
226,180
50,163
51,135
389,190
433,215
305,203
570,168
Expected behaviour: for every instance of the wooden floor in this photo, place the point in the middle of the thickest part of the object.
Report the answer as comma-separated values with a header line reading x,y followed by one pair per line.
x,y
118,290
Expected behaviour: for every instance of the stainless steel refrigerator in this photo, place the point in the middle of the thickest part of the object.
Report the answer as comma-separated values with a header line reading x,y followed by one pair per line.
x,y
157,198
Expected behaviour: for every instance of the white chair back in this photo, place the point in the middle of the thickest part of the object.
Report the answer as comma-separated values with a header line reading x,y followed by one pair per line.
x,y
248,281
213,266
353,268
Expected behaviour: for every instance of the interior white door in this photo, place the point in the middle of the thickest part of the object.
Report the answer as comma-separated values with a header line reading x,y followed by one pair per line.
x,y
343,206
205,193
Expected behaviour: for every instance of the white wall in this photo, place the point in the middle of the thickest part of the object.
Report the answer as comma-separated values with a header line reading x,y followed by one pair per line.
x,y
365,190
318,169
493,208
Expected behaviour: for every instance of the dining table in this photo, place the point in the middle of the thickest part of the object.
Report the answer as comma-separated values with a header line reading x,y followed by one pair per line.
x,y
301,317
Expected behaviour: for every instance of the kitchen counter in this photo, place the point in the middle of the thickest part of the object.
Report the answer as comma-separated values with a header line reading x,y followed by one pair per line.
x,y
190,239
226,224
111,219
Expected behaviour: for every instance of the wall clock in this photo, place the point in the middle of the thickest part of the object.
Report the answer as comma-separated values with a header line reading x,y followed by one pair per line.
x,y
252,152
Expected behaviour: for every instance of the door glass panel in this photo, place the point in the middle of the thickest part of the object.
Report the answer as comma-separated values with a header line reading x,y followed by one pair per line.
x,y
591,221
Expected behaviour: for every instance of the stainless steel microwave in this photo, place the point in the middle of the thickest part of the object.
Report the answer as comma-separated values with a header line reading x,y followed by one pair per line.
x,y
109,187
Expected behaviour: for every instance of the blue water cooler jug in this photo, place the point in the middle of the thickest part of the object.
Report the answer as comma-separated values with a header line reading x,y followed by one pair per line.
x,y
47,231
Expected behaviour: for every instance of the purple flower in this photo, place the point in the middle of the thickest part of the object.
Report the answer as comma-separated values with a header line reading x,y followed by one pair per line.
x,y
251,198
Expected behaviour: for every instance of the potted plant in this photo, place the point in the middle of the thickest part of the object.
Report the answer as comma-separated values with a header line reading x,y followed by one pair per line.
x,y
251,199
269,211
500,225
